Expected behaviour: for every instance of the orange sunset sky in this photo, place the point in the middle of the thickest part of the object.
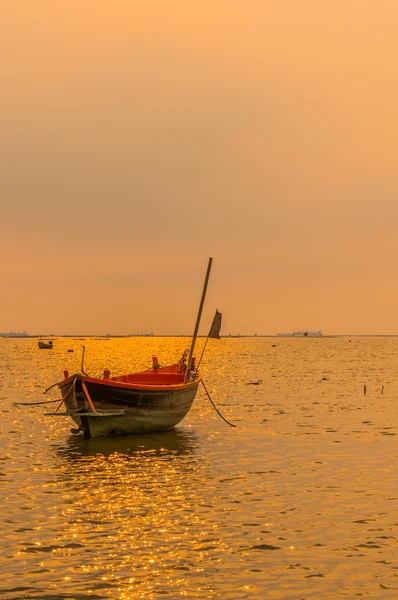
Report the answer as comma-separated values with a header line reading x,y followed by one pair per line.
x,y
140,138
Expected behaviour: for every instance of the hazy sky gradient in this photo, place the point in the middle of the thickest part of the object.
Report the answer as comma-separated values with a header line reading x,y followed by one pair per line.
x,y
140,138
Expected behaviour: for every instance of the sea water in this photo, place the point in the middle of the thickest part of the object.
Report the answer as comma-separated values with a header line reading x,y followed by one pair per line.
x,y
299,501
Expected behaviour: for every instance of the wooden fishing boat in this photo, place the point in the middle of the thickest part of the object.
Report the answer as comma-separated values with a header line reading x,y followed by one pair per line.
x,y
149,401
45,345
152,400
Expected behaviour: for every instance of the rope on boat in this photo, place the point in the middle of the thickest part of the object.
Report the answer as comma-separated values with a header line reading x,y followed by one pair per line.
x,y
47,401
50,388
215,407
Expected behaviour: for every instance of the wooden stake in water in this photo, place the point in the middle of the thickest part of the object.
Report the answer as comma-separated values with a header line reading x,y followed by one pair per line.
x,y
195,333
82,368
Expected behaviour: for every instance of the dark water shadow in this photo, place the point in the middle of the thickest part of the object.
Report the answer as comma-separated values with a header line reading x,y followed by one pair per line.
x,y
175,442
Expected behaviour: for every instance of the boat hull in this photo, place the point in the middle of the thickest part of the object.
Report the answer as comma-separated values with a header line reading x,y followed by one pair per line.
x,y
136,410
45,346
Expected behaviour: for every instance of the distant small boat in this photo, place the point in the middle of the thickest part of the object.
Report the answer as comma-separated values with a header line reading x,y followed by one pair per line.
x,y
45,345
304,333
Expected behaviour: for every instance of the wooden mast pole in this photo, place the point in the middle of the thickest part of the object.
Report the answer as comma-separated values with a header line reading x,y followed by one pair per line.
x,y
195,333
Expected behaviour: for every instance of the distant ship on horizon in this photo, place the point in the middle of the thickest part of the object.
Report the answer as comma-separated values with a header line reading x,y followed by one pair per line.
x,y
13,334
304,333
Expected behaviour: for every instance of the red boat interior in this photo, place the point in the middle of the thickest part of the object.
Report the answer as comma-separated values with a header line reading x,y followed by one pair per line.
x,y
170,375
157,376
151,378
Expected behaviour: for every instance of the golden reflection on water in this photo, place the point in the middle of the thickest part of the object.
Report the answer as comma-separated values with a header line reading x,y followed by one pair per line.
x,y
298,502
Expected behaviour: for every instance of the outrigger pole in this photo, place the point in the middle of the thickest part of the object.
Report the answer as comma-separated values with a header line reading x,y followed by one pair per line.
x,y
195,333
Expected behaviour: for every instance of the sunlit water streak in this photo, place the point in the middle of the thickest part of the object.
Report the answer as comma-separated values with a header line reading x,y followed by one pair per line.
x,y
298,502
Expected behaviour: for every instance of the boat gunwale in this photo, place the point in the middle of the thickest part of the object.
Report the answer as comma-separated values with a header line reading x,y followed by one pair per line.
x,y
131,386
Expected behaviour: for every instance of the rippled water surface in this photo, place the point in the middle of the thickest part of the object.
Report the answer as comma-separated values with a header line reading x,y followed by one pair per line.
x,y
298,502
